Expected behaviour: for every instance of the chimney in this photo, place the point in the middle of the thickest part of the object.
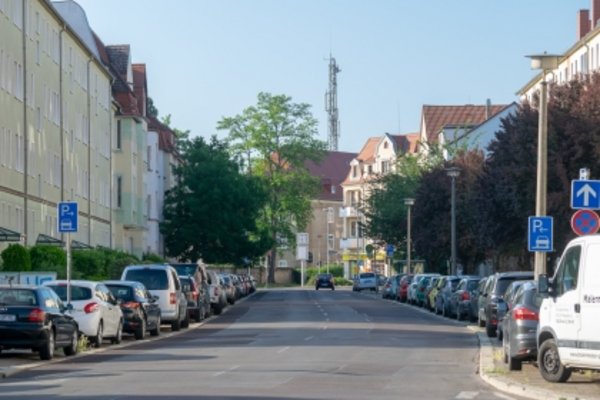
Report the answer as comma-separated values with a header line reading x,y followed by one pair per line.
x,y
488,109
595,13
583,23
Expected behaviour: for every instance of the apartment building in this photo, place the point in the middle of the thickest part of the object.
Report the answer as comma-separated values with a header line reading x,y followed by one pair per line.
x,y
55,122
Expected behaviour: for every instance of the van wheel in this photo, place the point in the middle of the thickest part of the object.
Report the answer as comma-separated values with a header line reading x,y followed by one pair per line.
x,y
549,363
490,331
176,325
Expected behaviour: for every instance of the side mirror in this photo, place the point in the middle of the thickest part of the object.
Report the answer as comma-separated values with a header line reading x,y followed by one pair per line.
x,y
543,285
69,307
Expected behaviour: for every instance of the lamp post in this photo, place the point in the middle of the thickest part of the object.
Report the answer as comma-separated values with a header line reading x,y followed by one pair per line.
x,y
547,63
409,203
329,211
453,173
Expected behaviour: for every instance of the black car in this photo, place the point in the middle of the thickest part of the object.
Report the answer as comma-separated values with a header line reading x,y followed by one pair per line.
x,y
324,280
200,276
141,311
35,318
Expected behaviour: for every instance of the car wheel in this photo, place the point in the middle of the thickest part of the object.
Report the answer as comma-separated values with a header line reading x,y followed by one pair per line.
x,y
333,288
99,338
198,315
444,312
176,325
459,316
217,309
513,363
505,350
47,350
480,322
156,330
549,363
316,288
499,333
140,332
71,349
490,331
119,335
186,321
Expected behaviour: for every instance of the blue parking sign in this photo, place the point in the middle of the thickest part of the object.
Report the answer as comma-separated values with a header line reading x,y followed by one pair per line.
x,y
539,236
67,217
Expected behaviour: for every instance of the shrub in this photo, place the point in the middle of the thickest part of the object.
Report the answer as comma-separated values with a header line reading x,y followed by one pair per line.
x,y
50,259
16,258
89,264
151,258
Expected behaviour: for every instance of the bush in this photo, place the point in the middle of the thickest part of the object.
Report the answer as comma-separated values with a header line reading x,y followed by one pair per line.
x,y
151,258
89,264
16,258
50,259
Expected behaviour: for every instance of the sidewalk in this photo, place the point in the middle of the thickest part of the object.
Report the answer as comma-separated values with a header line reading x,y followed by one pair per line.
x,y
529,382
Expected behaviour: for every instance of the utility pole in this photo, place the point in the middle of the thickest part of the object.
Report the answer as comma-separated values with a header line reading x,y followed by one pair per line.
x,y
331,105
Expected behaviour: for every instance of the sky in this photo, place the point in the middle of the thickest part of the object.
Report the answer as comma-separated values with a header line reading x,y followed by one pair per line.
x,y
207,60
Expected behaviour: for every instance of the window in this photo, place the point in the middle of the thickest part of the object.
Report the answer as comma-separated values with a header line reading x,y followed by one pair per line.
x,y
149,157
118,144
568,270
283,263
385,167
354,171
148,205
119,191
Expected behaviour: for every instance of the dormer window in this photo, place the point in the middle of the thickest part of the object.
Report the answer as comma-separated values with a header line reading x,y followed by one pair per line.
x,y
385,145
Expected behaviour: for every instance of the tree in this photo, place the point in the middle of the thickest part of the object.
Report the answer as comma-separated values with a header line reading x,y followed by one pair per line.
x,y
50,259
276,137
212,212
16,258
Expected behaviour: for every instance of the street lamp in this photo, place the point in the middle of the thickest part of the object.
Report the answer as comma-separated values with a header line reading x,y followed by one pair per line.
x,y
409,203
547,63
329,220
453,173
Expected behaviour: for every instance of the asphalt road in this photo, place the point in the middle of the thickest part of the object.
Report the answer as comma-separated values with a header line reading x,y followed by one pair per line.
x,y
280,344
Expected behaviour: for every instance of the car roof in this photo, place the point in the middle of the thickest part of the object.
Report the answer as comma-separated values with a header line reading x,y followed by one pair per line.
x,y
123,283
149,266
511,274
19,286
74,282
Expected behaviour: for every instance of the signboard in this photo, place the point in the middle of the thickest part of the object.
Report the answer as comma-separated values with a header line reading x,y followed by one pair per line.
x,y
585,195
389,250
585,222
67,217
539,236
302,246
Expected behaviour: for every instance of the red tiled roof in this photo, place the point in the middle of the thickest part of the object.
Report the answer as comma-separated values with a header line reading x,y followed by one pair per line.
x,y
332,170
367,153
140,86
434,118
406,143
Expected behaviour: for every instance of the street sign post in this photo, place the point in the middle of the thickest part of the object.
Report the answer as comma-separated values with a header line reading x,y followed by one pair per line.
x,y
539,237
67,223
585,195
585,222
302,252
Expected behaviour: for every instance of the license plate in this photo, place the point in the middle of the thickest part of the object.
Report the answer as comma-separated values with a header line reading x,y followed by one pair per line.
x,y
7,317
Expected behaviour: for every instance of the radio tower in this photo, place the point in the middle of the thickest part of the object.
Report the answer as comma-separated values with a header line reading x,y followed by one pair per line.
x,y
331,105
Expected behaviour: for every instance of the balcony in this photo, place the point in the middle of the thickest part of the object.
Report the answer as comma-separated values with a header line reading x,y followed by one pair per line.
x,y
349,212
351,243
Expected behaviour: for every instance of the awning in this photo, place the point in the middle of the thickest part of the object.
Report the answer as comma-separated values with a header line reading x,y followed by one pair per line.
x,y
77,245
48,240
6,235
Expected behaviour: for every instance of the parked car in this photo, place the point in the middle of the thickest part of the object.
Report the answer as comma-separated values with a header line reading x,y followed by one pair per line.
x,y
94,307
412,289
140,309
364,280
162,281
447,286
494,291
198,273
36,318
504,305
461,302
192,294
218,297
324,281
229,288
478,301
420,291
431,292
403,288
520,326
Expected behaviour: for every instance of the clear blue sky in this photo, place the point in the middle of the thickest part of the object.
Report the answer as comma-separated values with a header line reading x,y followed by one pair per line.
x,y
209,59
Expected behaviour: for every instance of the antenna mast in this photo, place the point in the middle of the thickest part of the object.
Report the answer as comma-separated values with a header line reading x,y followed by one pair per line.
x,y
331,105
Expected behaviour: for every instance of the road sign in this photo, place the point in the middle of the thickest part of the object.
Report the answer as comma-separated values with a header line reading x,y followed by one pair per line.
x,y
389,250
585,222
585,195
67,216
540,234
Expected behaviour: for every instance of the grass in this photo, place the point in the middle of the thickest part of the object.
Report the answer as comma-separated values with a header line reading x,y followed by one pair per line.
x,y
83,344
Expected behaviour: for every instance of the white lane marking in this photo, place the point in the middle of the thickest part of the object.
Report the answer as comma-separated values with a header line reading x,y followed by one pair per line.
x,y
467,395
503,396
234,368
306,339
219,373
286,348
36,382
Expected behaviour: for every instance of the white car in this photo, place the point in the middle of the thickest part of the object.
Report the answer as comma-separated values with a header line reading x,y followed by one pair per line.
x,y
95,309
218,297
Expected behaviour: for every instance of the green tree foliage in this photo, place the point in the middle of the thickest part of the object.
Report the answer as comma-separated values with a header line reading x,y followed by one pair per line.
x,y
50,259
275,138
212,212
16,258
89,264
151,258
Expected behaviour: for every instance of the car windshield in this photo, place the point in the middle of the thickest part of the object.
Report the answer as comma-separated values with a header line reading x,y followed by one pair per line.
x,y
472,285
121,292
185,269
504,282
77,292
153,279
367,275
18,297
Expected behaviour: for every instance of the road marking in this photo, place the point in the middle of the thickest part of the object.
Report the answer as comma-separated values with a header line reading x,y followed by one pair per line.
x,y
234,368
503,396
286,348
467,395
306,339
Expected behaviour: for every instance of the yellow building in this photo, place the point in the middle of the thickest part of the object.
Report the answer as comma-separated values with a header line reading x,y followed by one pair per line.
x,y
55,122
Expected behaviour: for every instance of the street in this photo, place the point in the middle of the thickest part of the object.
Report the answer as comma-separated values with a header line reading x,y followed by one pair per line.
x,y
281,343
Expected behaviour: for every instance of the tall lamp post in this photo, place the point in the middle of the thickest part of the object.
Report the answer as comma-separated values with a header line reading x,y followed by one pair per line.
x,y
453,173
329,220
546,63
409,203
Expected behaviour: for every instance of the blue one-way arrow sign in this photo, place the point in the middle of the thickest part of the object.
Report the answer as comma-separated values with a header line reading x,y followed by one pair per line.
x,y
585,195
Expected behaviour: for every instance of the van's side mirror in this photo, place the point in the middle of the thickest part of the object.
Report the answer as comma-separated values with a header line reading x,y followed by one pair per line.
x,y
543,285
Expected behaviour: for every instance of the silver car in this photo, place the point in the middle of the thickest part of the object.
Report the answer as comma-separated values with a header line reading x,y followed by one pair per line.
x,y
365,280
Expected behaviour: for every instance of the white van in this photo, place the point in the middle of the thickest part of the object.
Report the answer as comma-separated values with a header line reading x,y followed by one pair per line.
x,y
569,315
162,281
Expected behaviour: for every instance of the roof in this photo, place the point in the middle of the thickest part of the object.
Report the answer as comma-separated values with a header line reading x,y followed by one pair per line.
x,y
406,143
140,86
434,118
367,153
166,136
332,170
119,58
